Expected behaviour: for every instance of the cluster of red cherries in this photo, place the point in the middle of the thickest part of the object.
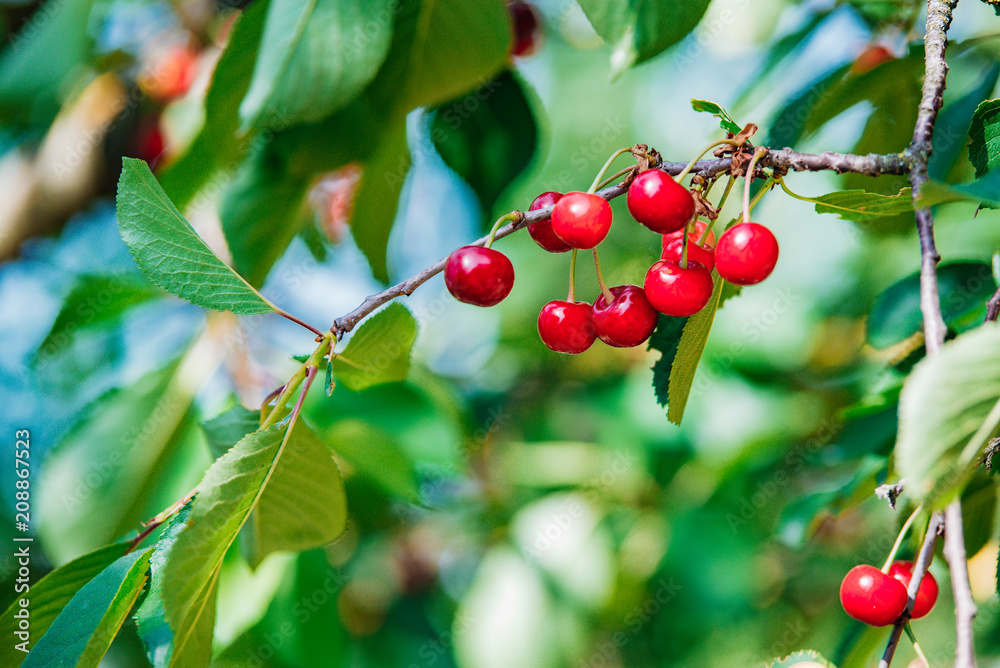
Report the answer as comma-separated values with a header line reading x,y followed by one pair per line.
x,y
626,315
878,598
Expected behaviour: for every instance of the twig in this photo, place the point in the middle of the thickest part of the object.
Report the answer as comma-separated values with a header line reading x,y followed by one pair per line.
x,y
782,160
993,307
965,607
919,569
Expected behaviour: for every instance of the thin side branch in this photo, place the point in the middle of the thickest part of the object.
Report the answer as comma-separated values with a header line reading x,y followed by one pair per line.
x,y
783,160
920,567
965,607
993,307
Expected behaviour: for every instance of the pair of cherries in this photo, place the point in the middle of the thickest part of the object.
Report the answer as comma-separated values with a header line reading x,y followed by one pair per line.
x,y
878,599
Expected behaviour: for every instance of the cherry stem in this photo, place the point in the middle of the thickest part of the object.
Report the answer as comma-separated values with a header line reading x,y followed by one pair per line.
x,y
722,203
615,176
747,179
900,537
916,645
606,167
506,218
763,191
161,517
608,297
285,314
684,246
788,192
572,277
690,165
264,407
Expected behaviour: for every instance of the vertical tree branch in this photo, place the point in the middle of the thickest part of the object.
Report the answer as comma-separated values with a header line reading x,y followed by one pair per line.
x,y
965,607
939,15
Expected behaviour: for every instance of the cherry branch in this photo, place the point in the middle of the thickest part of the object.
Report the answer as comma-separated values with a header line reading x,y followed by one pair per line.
x,y
920,567
965,607
783,160
939,15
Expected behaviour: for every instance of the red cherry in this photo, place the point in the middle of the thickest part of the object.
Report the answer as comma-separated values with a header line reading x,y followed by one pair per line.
x,y
478,276
566,327
870,58
870,596
695,236
659,202
673,290
172,74
674,250
147,142
628,320
527,29
746,254
927,593
582,220
541,231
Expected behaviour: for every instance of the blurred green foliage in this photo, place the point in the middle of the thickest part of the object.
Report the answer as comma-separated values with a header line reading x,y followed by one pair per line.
x,y
505,505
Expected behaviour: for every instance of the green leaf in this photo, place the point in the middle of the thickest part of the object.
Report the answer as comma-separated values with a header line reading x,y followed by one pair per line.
x,y
954,122
777,54
231,489
979,509
789,124
377,198
984,149
377,456
223,431
304,504
949,406
379,352
225,497
169,251
491,143
216,146
315,57
860,206
50,595
802,656
262,211
726,121
689,351
116,456
39,62
665,338
984,191
94,300
641,29
83,631
964,288
151,620
441,50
